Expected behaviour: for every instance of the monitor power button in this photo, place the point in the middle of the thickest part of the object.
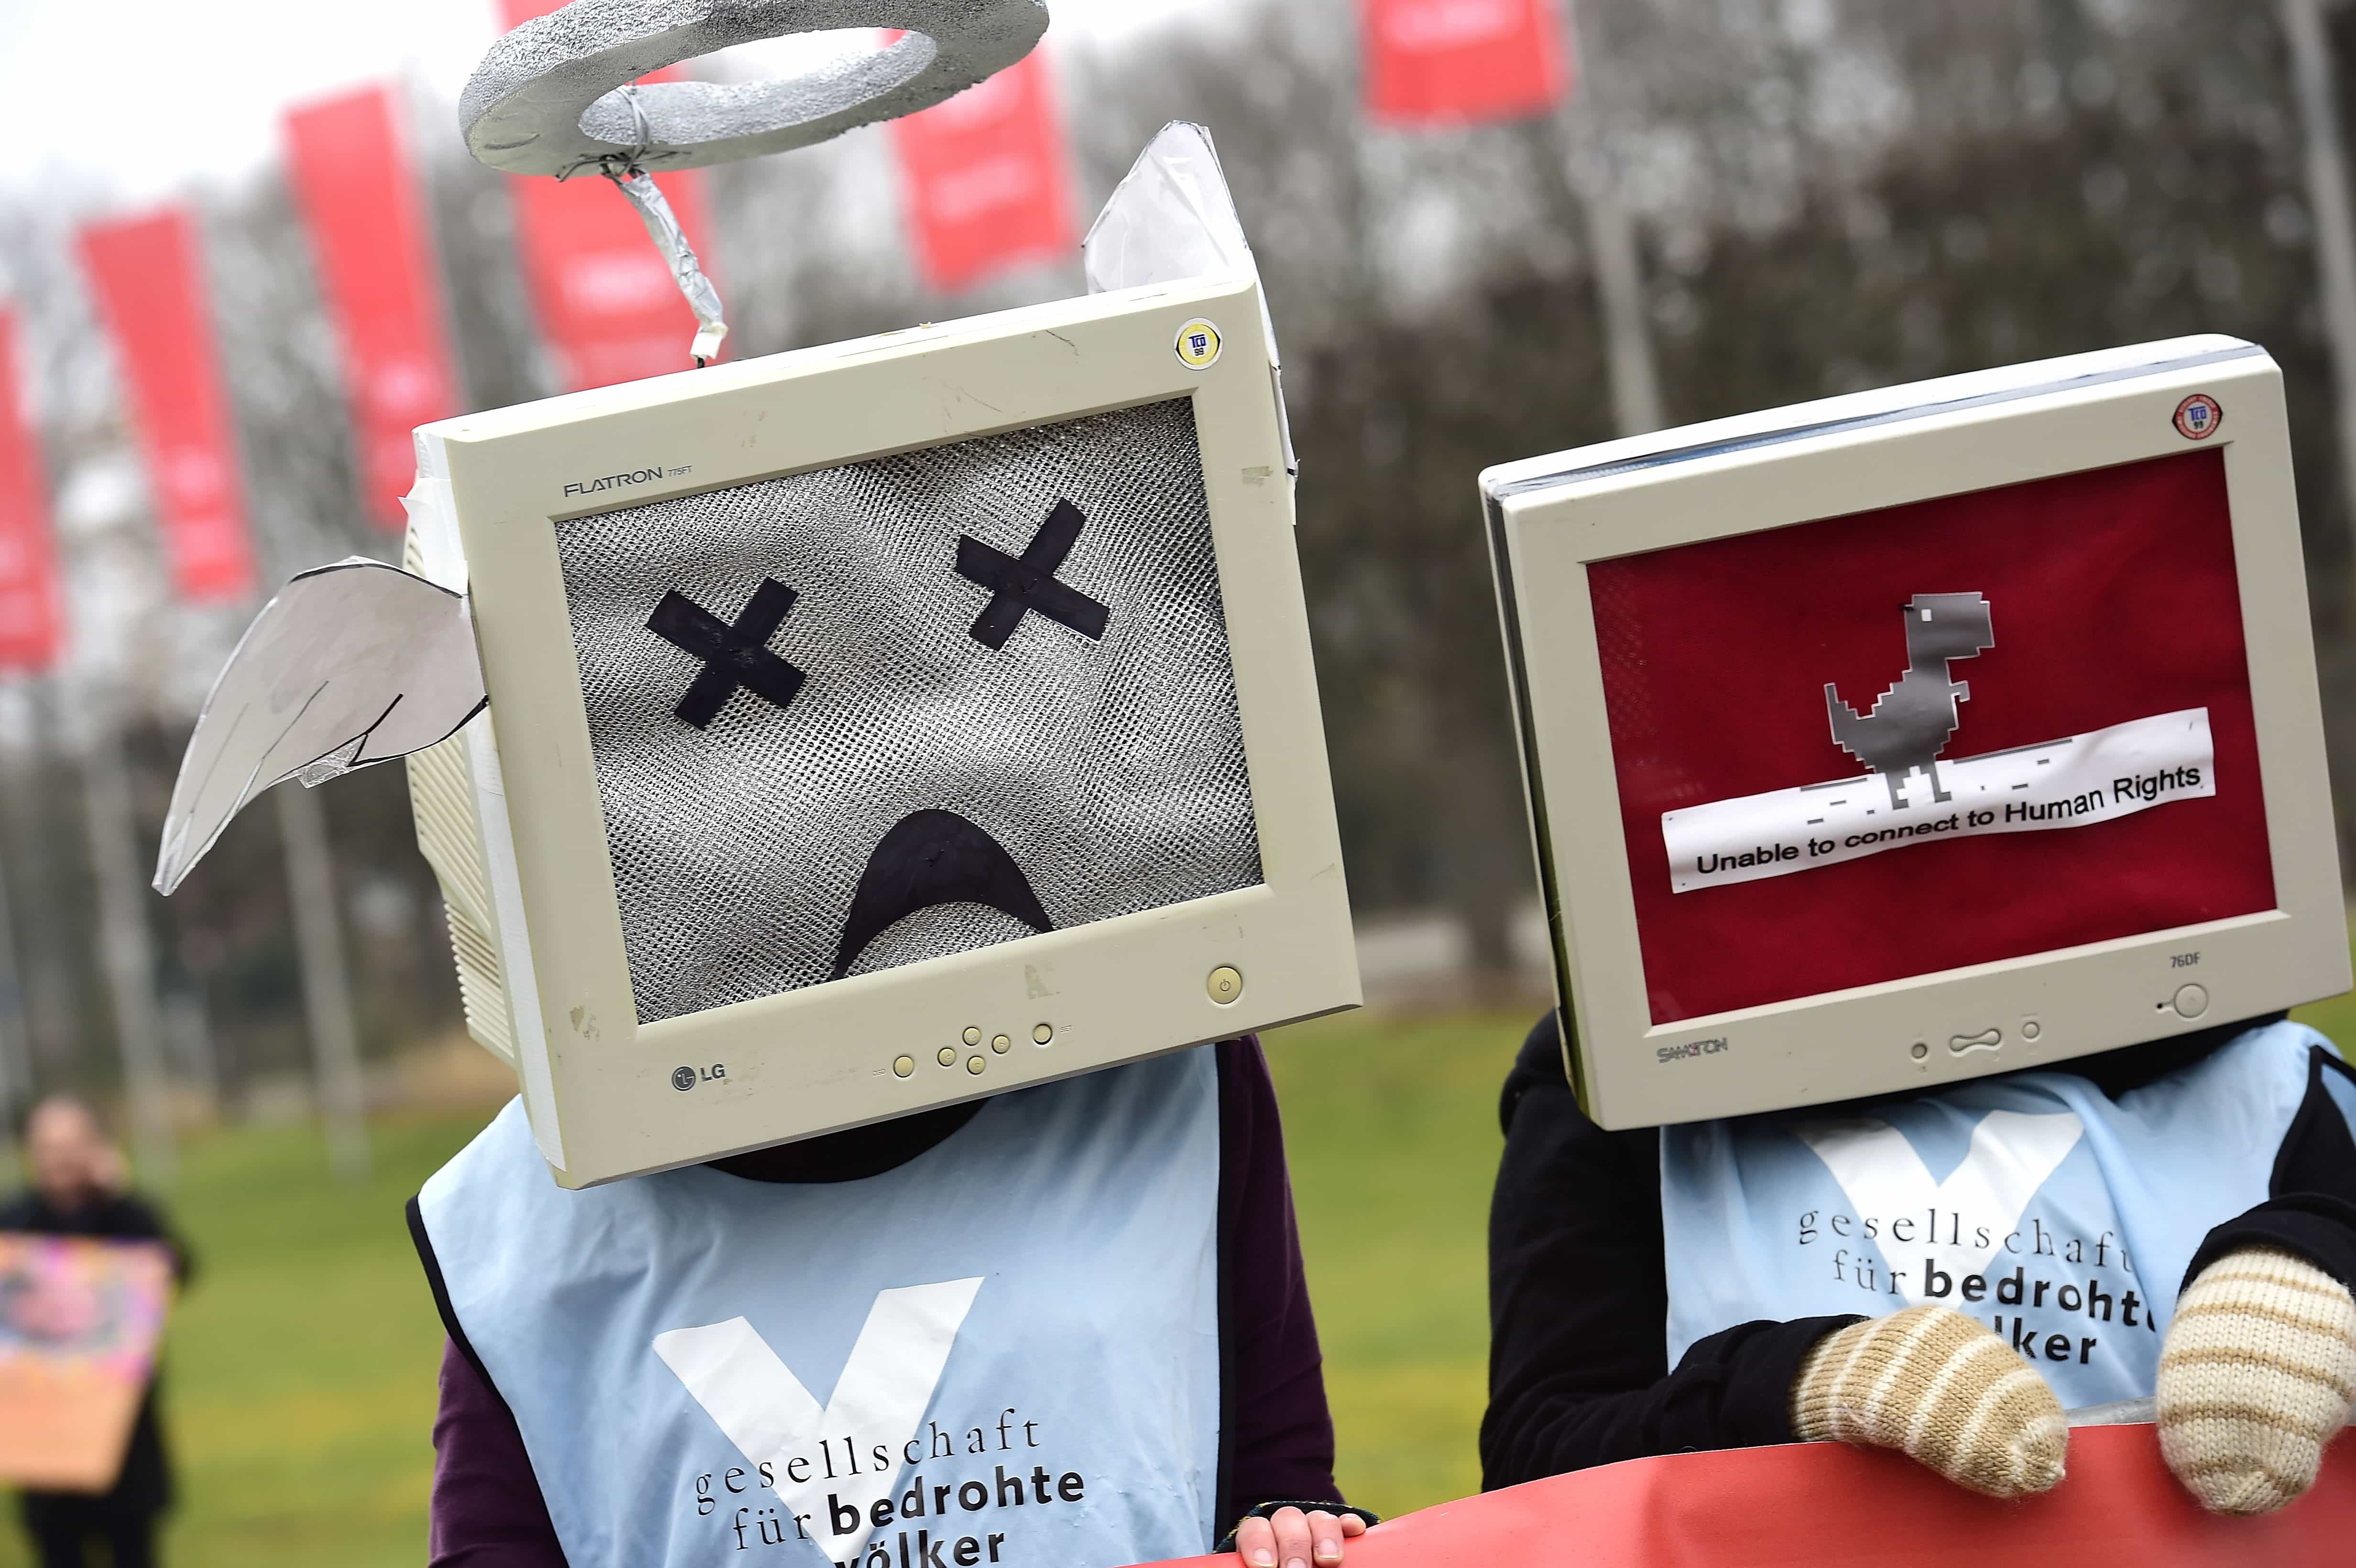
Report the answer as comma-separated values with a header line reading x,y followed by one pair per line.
x,y
2192,1001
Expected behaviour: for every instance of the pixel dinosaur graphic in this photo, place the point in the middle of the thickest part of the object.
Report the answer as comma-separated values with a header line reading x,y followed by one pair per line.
x,y
1909,724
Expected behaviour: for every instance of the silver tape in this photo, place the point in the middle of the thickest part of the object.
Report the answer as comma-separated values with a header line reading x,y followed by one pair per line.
x,y
663,228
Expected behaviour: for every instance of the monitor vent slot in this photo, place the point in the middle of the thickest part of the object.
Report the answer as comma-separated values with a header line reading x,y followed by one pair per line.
x,y
441,801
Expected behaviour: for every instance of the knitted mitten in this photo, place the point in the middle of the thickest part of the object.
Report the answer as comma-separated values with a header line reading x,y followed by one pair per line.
x,y
2255,1376
1939,1387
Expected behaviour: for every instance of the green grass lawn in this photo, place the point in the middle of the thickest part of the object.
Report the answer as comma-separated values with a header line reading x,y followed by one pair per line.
x,y
301,1366
300,1370
2336,1017
1391,1128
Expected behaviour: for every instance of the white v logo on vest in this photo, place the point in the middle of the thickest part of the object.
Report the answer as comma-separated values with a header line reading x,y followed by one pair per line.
x,y
2012,1153
878,1402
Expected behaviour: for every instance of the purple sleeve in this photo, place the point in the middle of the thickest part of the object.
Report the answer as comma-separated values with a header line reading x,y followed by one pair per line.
x,y
487,1511
1276,1442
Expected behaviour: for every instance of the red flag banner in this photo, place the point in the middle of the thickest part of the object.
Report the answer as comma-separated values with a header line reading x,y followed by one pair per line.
x,y
145,275
1831,1506
607,302
1431,61
29,623
985,177
359,200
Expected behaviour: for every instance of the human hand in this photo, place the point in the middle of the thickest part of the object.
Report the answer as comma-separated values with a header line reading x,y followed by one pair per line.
x,y
2256,1374
1291,1539
107,1171
1942,1388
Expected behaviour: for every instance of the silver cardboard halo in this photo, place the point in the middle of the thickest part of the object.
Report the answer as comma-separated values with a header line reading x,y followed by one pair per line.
x,y
545,98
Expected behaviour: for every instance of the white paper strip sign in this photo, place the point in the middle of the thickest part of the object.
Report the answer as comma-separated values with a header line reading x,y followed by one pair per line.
x,y
2071,783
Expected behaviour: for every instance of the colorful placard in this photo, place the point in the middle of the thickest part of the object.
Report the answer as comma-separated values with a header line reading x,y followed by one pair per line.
x,y
80,1321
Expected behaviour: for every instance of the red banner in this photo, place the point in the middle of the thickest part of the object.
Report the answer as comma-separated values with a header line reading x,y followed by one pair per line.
x,y
985,177
145,272
29,623
1829,1506
1459,60
606,299
359,199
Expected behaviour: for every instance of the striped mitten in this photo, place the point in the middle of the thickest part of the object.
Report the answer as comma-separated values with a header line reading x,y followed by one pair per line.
x,y
2255,1376
1939,1387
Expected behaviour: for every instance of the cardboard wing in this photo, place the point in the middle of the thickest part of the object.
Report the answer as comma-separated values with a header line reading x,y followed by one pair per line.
x,y
351,664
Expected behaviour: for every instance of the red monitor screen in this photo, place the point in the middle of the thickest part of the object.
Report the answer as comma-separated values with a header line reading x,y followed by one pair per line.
x,y
2037,734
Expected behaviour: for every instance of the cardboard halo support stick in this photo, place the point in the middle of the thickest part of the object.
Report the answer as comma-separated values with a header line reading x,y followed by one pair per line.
x,y
868,727
1920,734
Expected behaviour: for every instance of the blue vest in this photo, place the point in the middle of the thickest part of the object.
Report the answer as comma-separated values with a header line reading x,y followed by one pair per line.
x,y
1005,1350
2062,1219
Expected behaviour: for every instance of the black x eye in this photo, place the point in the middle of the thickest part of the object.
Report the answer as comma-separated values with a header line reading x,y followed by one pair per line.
x,y
1020,585
733,655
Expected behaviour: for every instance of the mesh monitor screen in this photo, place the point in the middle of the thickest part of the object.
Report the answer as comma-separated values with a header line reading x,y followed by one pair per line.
x,y
879,713
1969,728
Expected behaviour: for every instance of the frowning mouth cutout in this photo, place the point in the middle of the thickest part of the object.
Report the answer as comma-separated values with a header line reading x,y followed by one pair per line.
x,y
932,857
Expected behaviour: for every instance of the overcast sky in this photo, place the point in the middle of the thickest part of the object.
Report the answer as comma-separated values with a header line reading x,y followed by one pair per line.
x,y
128,99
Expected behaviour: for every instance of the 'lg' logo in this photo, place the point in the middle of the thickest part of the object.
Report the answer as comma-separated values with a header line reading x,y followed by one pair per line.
x,y
685,1078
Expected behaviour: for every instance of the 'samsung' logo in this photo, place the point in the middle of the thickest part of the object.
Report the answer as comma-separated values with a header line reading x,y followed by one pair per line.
x,y
614,481
1690,1049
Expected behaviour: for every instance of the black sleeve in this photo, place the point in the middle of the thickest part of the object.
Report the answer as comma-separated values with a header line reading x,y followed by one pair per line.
x,y
1579,1368
147,1219
2311,1206
123,1216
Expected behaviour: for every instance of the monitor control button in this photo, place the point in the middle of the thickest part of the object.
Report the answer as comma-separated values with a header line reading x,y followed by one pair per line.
x,y
1987,1039
2192,1001
1224,982
903,1065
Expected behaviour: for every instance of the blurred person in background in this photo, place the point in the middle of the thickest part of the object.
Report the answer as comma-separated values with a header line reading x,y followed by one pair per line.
x,y
79,1186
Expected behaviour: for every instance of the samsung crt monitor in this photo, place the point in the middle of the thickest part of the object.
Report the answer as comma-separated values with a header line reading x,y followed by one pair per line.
x,y
1920,734
880,725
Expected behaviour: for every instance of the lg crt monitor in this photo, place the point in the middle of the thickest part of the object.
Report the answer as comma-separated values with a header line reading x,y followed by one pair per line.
x,y
882,725
1920,734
